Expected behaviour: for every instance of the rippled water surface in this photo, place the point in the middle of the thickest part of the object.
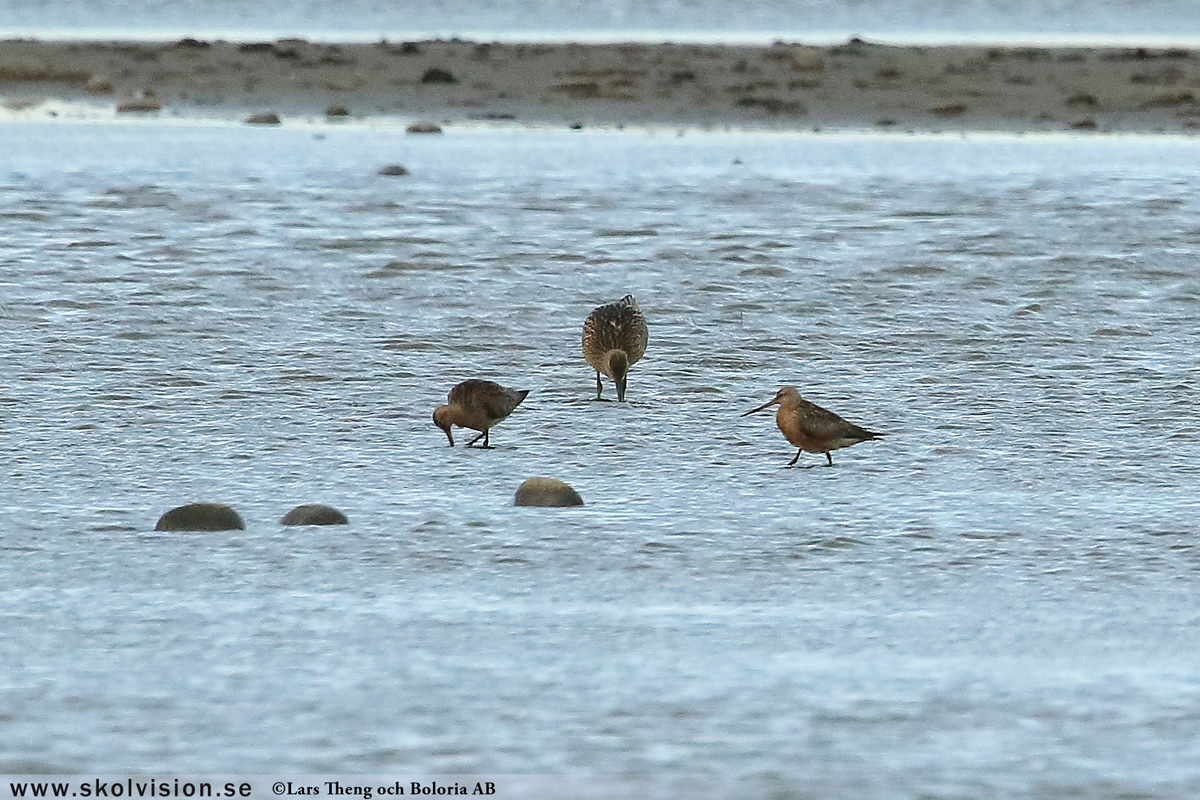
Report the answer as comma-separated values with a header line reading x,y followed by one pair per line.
x,y
759,20
999,599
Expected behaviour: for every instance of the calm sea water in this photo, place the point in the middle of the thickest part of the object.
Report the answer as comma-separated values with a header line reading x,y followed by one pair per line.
x,y
999,600
723,20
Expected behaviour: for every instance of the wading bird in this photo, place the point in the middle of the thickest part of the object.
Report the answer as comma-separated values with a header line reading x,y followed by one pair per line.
x,y
812,428
478,405
614,338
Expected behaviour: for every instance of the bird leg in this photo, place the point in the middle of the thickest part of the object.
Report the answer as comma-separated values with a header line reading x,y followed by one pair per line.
x,y
599,386
796,458
829,457
477,438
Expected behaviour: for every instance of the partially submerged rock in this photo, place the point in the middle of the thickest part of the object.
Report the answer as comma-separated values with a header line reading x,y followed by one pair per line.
x,y
547,493
201,517
314,514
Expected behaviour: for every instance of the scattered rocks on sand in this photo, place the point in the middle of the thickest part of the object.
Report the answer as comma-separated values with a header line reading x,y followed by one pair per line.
x,y
314,514
785,85
201,517
546,492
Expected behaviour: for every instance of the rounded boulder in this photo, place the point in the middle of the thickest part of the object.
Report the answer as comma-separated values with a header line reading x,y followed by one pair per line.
x,y
314,514
201,517
546,492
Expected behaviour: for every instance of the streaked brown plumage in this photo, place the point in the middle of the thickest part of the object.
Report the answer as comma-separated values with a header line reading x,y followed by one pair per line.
x,y
614,338
812,428
478,405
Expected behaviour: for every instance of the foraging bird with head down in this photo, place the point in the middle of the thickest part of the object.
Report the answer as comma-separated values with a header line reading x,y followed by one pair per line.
x,y
614,338
812,428
479,405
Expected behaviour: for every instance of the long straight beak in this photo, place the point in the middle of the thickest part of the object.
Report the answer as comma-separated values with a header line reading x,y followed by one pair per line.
x,y
760,408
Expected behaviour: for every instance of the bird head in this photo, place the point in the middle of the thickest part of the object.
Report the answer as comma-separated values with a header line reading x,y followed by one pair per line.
x,y
782,395
618,367
442,418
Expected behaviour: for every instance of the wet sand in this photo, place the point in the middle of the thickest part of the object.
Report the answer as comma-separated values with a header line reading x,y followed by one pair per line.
x,y
786,86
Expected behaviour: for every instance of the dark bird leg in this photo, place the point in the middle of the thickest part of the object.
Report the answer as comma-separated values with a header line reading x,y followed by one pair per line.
x,y
829,456
487,438
477,438
796,458
599,386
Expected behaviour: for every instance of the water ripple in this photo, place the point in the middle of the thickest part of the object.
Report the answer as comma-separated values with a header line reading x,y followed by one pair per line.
x,y
1023,329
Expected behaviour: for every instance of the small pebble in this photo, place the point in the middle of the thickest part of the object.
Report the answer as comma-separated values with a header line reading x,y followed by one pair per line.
x,y
436,75
142,103
99,84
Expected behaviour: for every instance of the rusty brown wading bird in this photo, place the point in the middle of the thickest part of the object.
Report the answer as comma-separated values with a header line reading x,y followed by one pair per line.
x,y
812,428
614,338
478,405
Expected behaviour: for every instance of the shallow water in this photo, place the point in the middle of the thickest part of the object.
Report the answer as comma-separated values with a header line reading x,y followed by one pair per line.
x,y
1172,21
997,600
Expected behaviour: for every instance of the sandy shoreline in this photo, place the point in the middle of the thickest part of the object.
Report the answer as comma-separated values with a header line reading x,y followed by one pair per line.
x,y
786,86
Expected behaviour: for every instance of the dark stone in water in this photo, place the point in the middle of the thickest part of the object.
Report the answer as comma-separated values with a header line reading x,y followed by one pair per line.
x,y
393,170
314,514
201,517
547,493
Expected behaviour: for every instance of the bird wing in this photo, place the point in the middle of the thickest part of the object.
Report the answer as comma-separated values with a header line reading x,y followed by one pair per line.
x,y
616,326
498,405
823,424
473,391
